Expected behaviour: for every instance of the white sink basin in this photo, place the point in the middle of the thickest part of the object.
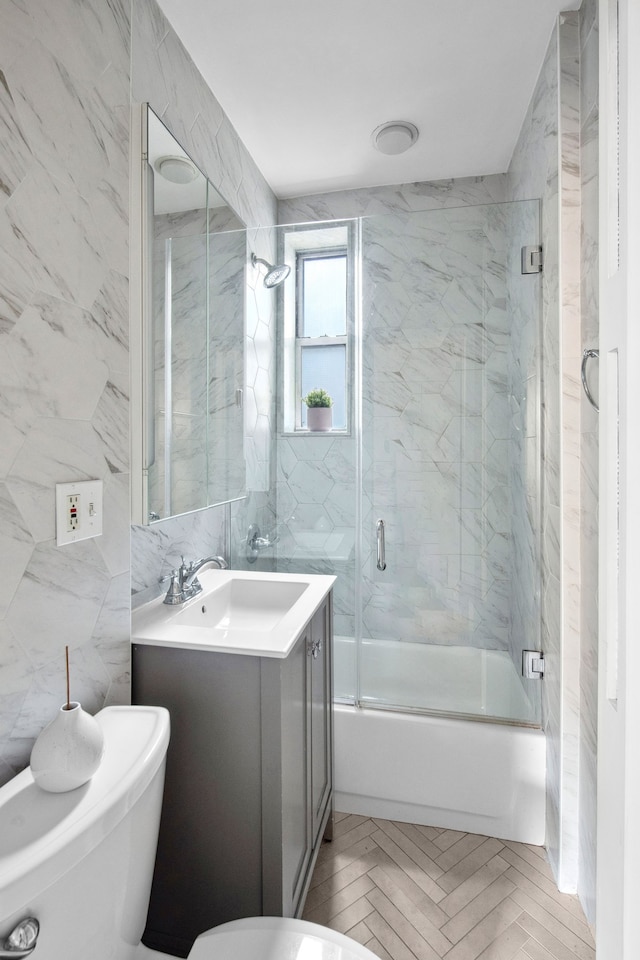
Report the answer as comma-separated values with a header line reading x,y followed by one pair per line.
x,y
259,614
242,605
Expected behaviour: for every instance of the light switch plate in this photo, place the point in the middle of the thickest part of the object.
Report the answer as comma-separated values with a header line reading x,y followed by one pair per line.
x,y
78,511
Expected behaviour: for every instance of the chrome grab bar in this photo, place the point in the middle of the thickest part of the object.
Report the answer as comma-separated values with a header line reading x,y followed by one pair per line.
x,y
586,356
381,564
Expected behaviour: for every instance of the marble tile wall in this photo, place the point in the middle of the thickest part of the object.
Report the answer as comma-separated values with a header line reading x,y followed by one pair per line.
x,y
64,319
258,508
412,408
156,549
546,163
401,198
65,102
588,460
316,477
436,427
64,378
535,171
164,76
332,516
225,438
316,498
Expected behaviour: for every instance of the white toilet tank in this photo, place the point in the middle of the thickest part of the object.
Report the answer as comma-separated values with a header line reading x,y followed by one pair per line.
x,y
81,862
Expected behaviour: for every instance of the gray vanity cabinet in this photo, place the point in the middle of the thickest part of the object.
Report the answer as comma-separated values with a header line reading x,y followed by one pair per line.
x,y
294,826
248,790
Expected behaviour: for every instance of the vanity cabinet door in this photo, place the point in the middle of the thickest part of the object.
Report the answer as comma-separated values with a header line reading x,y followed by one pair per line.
x,y
296,834
297,775
321,719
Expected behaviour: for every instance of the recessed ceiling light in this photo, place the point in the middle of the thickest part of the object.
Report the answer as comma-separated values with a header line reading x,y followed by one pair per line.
x,y
176,169
394,137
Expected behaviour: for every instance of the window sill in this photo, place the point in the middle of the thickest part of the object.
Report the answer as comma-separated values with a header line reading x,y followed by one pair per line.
x,y
304,432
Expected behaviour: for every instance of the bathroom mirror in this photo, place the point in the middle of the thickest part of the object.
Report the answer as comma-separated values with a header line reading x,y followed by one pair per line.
x,y
192,337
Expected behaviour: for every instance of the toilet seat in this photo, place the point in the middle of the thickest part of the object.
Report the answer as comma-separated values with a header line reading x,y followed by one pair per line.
x,y
276,938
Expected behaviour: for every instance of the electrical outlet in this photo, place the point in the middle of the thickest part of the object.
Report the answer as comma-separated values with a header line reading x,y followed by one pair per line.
x,y
73,505
78,511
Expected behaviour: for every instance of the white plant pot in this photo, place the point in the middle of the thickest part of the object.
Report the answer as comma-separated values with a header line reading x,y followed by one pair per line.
x,y
68,751
319,418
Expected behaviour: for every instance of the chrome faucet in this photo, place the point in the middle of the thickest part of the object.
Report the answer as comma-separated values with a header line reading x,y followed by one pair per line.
x,y
184,583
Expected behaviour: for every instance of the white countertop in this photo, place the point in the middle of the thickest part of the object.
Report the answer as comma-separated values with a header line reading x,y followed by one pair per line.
x,y
231,617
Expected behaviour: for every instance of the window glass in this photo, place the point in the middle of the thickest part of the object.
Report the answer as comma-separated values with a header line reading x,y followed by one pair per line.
x,y
324,368
324,297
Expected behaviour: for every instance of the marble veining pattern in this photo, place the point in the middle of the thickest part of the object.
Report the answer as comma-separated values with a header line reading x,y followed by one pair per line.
x,y
534,172
552,132
401,198
416,422
438,431
165,77
64,241
64,105
64,320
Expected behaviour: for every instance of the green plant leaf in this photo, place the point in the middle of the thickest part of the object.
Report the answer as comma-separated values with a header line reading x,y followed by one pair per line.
x,y
318,398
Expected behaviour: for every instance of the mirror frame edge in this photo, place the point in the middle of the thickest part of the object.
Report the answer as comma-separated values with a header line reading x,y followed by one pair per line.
x,y
141,429
138,306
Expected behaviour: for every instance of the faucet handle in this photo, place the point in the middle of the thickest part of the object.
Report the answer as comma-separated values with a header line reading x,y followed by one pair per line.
x,y
175,593
169,576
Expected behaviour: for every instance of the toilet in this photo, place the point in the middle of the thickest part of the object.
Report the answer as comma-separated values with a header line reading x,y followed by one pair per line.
x,y
81,863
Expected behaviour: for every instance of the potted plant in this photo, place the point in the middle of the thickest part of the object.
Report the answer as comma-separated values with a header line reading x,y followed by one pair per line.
x,y
318,409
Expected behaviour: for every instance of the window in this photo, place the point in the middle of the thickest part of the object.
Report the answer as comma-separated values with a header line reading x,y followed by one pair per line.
x,y
321,329
318,322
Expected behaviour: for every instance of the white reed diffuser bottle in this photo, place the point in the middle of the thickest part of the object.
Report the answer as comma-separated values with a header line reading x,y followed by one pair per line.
x,y
69,750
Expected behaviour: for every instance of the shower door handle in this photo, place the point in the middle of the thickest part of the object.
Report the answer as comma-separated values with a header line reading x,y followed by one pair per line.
x,y
586,356
382,563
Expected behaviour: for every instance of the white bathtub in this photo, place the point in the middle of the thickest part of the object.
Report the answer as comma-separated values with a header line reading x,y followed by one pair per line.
x,y
435,677
460,774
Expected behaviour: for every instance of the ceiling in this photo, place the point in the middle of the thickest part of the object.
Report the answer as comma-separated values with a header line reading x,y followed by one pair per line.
x,y
305,84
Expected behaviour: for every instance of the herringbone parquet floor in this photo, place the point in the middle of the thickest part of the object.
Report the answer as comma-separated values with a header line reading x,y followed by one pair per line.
x,y
420,893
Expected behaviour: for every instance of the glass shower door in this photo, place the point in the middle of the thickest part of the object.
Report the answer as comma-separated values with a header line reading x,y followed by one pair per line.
x,y
449,456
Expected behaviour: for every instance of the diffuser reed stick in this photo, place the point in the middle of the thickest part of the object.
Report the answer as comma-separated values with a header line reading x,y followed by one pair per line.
x,y
66,652
68,751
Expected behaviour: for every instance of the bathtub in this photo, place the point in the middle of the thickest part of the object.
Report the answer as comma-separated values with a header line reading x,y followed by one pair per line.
x,y
456,773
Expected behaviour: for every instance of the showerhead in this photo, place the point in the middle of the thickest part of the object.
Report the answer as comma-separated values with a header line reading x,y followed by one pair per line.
x,y
275,274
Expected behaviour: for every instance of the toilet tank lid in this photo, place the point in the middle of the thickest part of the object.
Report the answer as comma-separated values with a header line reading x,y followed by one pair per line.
x,y
272,938
43,835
